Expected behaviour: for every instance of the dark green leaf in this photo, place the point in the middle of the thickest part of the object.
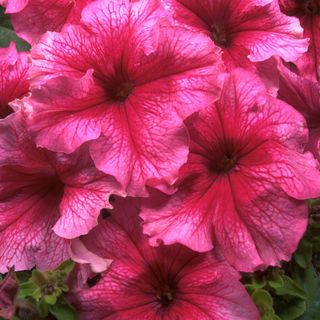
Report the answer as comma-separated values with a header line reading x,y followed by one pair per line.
x,y
291,288
63,311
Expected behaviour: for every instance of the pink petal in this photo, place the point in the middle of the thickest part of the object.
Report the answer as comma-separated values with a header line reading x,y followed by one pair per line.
x,y
38,16
24,226
40,191
208,287
14,67
308,14
131,109
253,143
304,95
243,29
80,254
80,206
60,110
13,6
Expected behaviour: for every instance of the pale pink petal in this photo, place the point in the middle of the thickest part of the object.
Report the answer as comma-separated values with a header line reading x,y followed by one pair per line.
x,y
80,254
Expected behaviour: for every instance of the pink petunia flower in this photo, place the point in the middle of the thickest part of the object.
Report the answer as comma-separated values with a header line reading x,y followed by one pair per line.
x,y
14,67
32,18
42,192
308,12
304,95
169,282
245,30
127,81
243,185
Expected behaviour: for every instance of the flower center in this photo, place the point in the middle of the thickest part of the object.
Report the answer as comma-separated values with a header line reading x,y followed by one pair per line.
x,y
121,91
219,35
225,163
5,111
166,293
312,7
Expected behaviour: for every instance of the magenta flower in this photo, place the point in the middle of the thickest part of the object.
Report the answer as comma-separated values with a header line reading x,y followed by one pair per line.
x,y
304,95
128,80
242,186
41,192
14,67
308,12
243,28
32,18
169,282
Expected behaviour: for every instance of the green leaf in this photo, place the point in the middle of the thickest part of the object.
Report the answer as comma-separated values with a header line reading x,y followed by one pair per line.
x,y
43,309
67,266
8,35
291,288
50,299
311,283
63,311
23,276
5,19
270,315
259,282
290,309
27,289
38,278
276,281
263,300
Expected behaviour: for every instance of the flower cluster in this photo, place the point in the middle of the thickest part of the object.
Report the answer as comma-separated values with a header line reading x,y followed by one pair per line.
x,y
165,144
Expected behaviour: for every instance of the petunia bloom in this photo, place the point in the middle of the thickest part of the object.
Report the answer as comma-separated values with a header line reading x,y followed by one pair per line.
x,y
32,18
14,84
169,282
124,81
308,12
243,185
246,30
304,95
44,195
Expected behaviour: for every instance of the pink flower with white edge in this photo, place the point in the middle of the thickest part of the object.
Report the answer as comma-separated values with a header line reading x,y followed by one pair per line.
x,y
246,30
14,84
169,282
308,12
243,186
32,18
304,95
44,197
124,81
